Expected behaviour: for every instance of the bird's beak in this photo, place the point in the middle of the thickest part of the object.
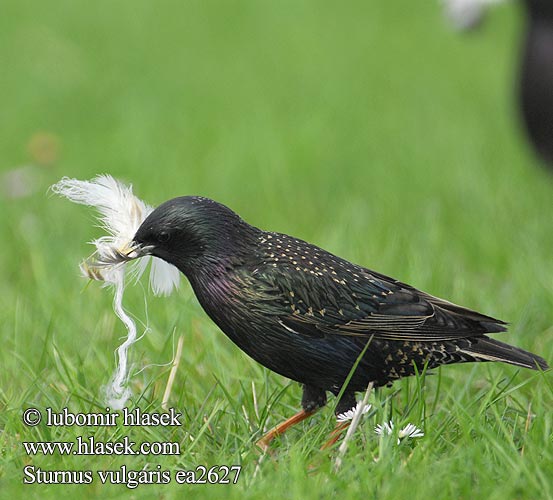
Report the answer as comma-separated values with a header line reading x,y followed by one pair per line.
x,y
111,256
134,250
96,265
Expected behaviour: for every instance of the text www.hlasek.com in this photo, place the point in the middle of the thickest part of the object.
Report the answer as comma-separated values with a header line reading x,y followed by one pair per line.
x,y
89,446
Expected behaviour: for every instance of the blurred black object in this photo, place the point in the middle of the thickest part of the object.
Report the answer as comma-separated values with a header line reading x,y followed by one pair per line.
x,y
536,91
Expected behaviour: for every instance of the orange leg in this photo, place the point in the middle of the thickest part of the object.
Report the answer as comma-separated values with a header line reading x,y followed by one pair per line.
x,y
335,434
281,428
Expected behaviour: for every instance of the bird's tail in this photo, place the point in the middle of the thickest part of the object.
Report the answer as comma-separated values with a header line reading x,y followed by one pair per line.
x,y
487,349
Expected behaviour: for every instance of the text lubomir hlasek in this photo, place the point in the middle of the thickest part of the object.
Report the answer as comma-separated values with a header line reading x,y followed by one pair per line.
x,y
127,417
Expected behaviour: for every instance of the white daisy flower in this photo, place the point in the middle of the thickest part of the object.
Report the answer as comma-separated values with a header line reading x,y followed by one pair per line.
x,y
384,429
409,431
350,414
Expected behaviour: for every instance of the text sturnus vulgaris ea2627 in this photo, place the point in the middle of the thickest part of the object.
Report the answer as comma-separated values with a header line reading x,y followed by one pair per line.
x,y
308,314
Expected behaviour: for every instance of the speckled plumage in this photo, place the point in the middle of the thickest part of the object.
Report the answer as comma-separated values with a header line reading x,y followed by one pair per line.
x,y
308,314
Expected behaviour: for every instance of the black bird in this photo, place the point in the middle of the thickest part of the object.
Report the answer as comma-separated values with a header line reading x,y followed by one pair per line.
x,y
536,83
308,314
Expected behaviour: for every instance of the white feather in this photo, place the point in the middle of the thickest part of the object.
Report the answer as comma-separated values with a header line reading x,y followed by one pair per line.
x,y
121,214
163,277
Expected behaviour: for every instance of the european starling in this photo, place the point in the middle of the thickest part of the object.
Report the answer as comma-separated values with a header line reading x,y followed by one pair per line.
x,y
308,314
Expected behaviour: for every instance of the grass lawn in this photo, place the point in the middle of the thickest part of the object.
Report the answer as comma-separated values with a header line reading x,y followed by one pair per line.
x,y
368,128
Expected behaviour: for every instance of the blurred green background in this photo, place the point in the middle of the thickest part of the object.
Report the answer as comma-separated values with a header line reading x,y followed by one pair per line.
x,y
369,128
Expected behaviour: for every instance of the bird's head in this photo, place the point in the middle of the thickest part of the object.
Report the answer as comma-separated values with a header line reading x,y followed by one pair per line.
x,y
191,232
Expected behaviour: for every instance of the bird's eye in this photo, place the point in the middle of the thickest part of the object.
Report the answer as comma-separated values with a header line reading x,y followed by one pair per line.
x,y
163,237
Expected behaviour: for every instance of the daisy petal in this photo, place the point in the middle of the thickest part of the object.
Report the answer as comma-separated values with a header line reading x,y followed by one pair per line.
x,y
409,431
348,415
384,429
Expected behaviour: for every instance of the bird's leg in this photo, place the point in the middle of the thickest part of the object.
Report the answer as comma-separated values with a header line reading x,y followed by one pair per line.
x,y
281,428
336,433
347,402
312,399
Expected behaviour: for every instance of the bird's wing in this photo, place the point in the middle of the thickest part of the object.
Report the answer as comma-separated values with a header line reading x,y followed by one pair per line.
x,y
354,301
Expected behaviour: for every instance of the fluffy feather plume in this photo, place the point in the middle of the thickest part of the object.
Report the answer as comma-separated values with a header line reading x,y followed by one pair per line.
x,y
121,214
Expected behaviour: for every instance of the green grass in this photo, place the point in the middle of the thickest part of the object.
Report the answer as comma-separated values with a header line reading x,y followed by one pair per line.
x,y
366,128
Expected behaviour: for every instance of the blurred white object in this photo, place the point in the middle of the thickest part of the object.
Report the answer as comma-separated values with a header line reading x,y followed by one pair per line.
x,y
466,14
20,182
43,149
